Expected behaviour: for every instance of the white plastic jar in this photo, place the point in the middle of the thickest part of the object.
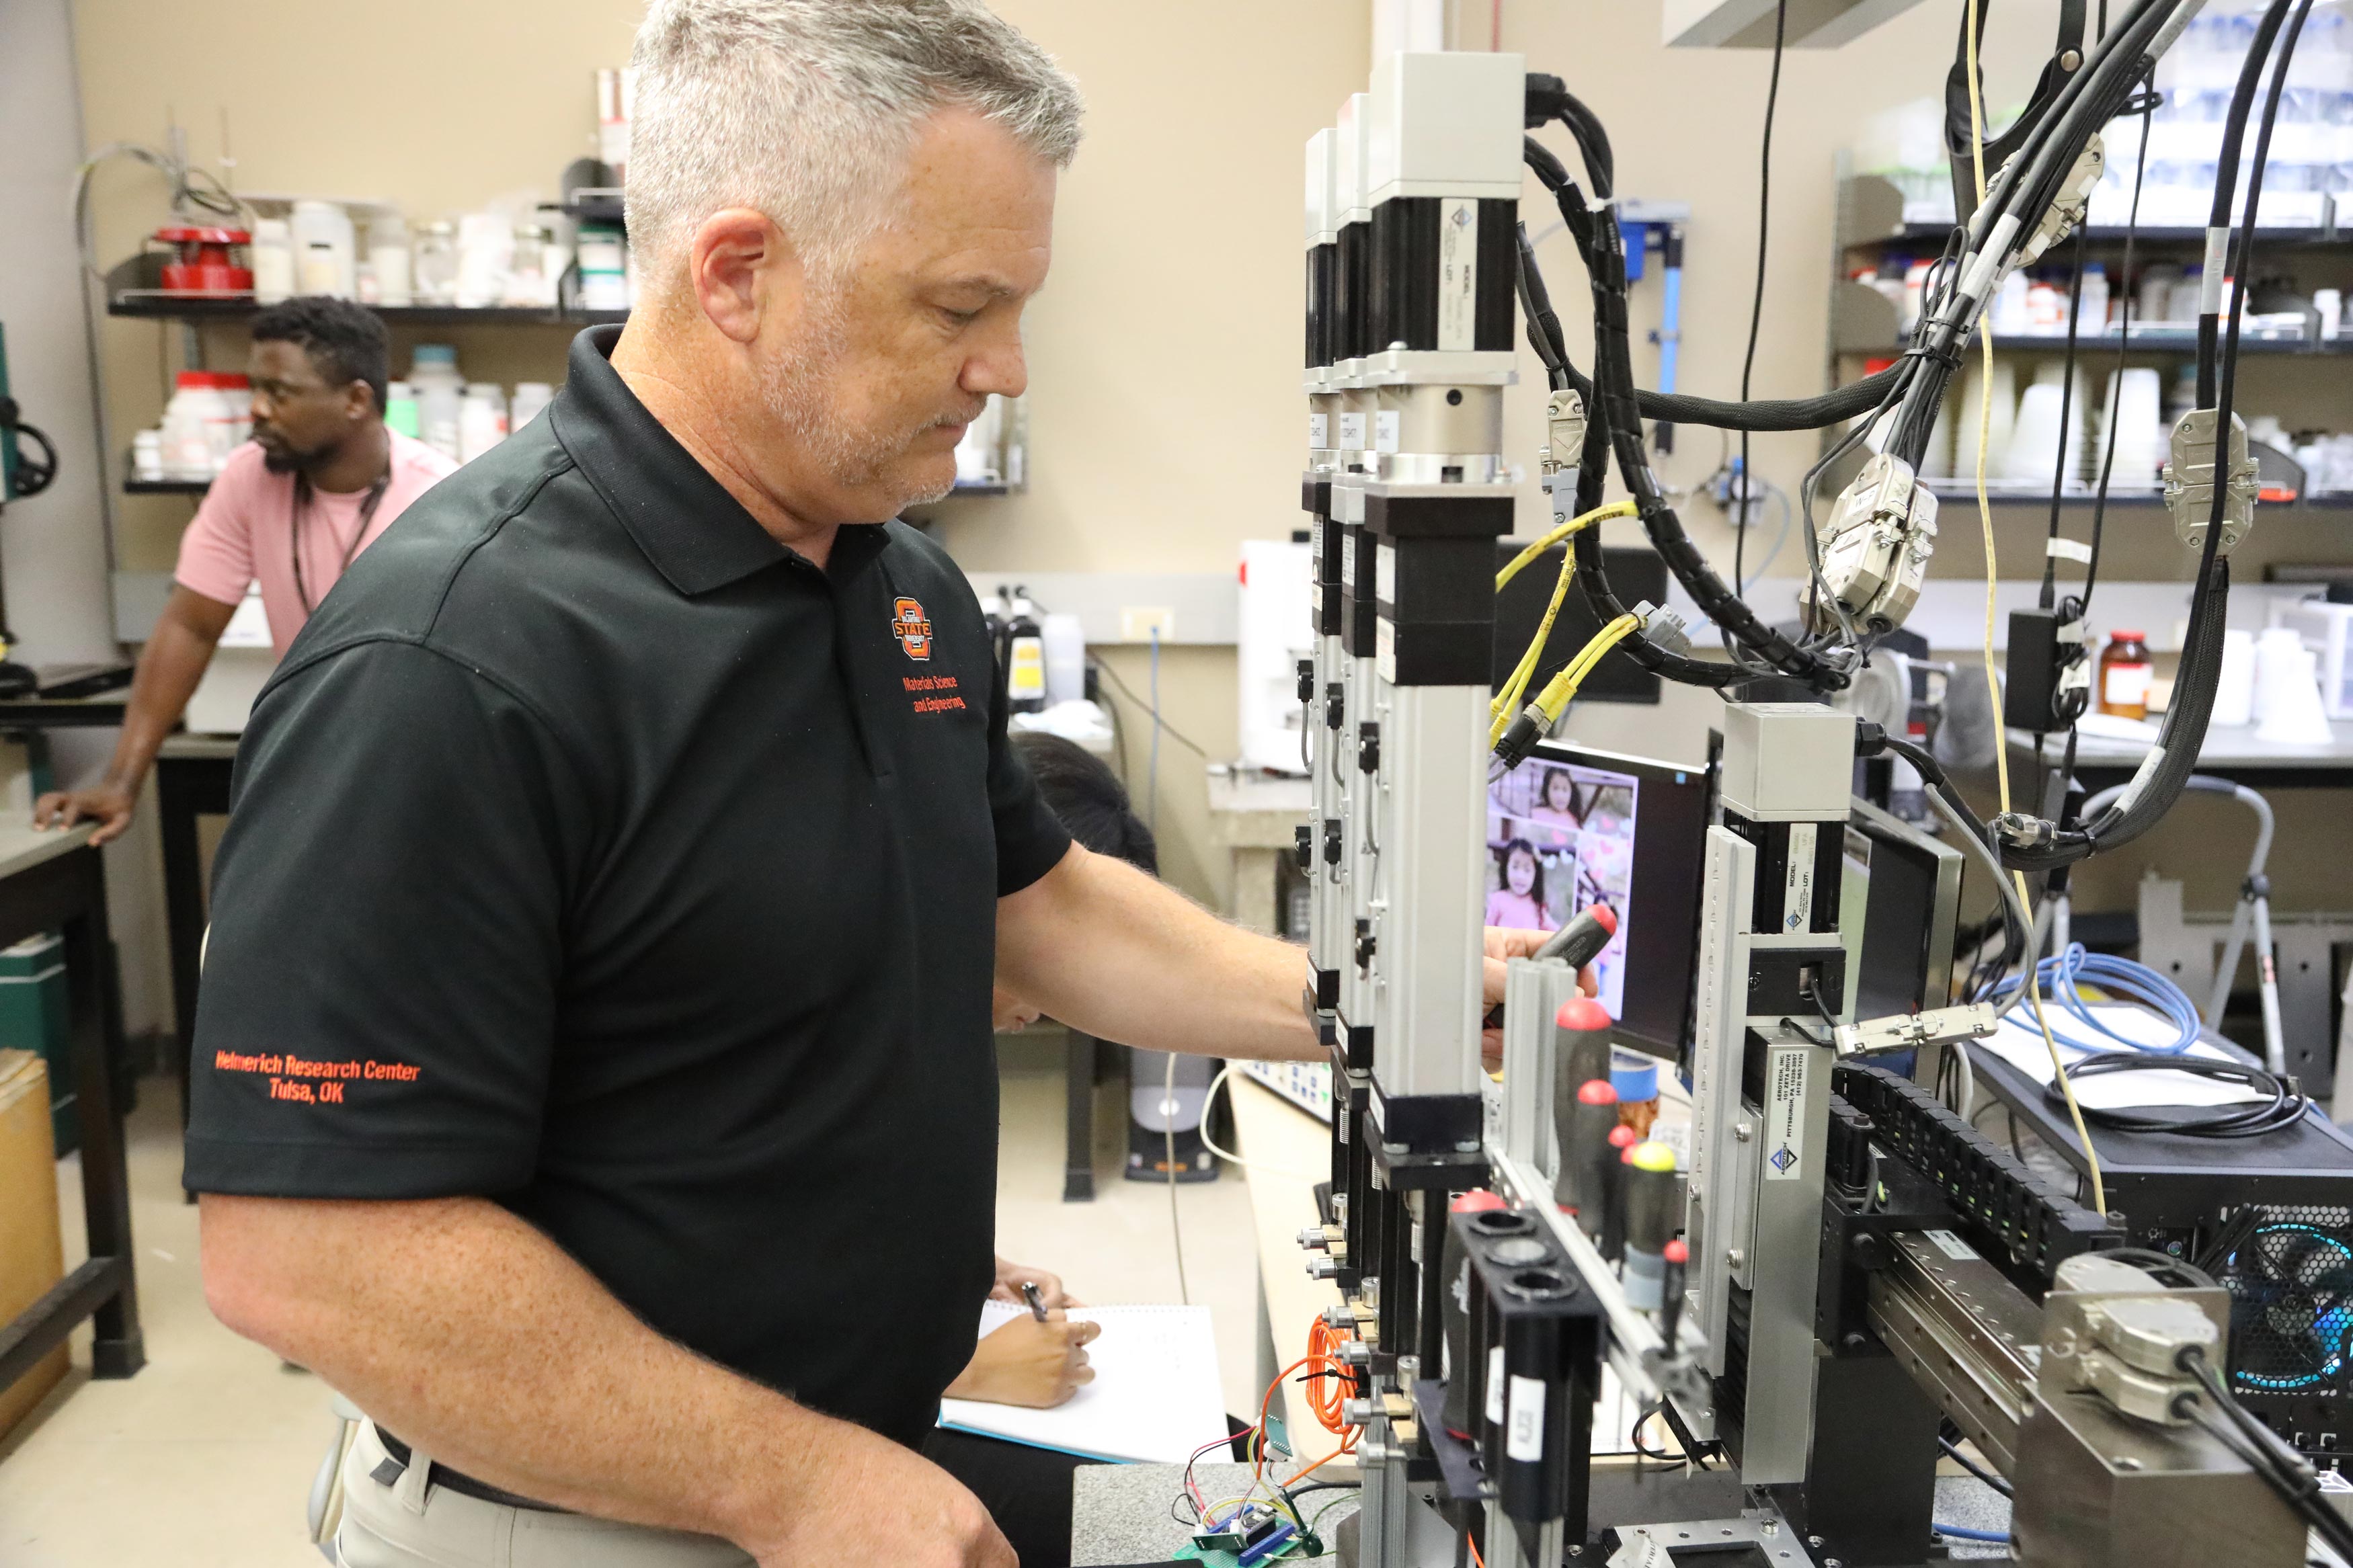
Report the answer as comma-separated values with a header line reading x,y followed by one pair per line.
x,y
389,254
482,420
272,258
187,450
326,250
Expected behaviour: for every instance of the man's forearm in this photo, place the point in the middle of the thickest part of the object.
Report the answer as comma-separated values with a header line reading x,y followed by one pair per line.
x,y
170,666
471,1335
1103,948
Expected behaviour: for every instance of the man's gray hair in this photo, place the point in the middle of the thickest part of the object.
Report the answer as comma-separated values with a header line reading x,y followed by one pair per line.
x,y
807,110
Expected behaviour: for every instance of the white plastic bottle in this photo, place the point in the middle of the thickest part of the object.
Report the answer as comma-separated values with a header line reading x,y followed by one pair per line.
x,y
272,256
326,250
530,398
433,372
482,420
389,254
2092,301
228,420
187,433
1065,640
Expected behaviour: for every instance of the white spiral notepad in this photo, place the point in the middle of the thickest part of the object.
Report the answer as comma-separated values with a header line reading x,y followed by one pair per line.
x,y
1155,1398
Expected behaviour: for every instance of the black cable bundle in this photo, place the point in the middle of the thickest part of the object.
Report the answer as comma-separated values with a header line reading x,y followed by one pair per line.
x,y
2285,1107
2175,756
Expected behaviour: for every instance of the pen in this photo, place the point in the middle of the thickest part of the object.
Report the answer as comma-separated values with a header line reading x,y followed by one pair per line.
x,y
1037,1302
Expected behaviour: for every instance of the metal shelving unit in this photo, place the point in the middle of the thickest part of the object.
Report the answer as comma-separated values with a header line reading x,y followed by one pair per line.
x,y
157,306
1864,323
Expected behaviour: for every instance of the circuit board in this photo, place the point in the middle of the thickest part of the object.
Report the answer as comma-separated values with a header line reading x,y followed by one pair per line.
x,y
1293,1549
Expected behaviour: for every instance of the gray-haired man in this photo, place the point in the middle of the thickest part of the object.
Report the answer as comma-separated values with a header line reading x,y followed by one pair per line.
x,y
592,1080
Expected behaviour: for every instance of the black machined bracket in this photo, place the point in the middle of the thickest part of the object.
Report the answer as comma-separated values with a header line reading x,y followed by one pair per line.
x,y
1423,512
1783,980
1525,1298
1428,1123
2012,1214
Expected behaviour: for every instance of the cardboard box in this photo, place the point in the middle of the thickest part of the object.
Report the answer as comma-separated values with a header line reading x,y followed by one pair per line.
x,y
31,1250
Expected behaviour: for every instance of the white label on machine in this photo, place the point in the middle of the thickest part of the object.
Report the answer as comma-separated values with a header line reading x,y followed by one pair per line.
x,y
1797,879
1385,648
1642,1551
1388,426
1494,1385
1352,432
1385,574
1951,1245
1458,275
1525,1438
1348,560
1319,428
1785,1115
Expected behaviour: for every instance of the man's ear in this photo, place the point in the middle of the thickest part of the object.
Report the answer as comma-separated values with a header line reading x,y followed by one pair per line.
x,y
359,402
740,265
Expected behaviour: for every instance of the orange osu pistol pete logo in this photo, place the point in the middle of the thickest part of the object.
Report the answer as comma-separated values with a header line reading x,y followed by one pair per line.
x,y
913,629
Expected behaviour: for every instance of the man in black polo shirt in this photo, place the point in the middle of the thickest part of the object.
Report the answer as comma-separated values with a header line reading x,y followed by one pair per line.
x,y
593,1079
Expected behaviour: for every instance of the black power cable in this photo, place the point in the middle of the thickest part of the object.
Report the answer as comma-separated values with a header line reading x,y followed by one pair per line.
x,y
2124,346
1757,299
2285,1108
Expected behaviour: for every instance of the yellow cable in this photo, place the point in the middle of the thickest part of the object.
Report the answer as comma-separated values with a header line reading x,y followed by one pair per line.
x,y
1993,687
1599,514
1508,699
1553,700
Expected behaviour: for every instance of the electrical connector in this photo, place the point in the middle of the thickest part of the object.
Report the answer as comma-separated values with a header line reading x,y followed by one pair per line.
x,y
1565,425
1876,544
1663,628
2074,199
1547,97
2019,831
2189,480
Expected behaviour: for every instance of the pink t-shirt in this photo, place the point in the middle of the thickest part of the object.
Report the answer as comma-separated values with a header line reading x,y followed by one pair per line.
x,y
244,533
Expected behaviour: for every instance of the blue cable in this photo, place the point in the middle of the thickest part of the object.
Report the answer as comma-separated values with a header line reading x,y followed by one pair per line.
x,y
1958,1533
2060,978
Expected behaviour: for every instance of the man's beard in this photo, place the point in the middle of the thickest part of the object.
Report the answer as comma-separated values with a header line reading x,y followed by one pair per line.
x,y
798,390
285,460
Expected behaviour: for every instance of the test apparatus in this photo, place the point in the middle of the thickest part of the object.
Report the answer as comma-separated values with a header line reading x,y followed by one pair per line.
x,y
1843,1265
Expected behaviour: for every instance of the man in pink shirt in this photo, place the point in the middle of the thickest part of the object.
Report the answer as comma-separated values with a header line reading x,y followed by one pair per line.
x,y
320,480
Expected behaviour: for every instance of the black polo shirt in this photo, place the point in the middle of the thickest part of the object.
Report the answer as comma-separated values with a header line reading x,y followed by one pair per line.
x,y
593,853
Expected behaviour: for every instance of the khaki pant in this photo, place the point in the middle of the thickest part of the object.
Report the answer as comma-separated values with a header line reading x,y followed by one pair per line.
x,y
412,1523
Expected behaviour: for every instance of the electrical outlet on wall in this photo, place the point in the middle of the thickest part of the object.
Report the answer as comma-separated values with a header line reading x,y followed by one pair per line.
x,y
1141,622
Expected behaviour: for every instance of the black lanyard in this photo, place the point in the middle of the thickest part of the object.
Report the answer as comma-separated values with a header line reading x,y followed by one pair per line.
x,y
302,515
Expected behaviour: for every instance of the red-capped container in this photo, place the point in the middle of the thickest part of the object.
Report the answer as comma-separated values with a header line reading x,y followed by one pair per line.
x,y
206,261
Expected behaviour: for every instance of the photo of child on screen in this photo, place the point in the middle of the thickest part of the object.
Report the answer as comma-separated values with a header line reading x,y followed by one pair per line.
x,y
1562,838
1519,901
1556,801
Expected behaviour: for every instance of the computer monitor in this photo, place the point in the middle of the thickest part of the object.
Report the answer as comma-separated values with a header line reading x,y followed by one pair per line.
x,y
1571,827
1901,894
